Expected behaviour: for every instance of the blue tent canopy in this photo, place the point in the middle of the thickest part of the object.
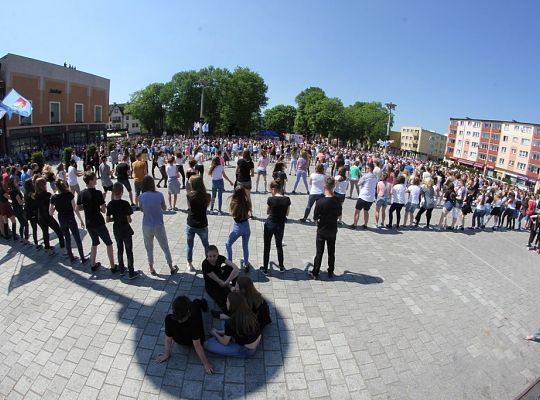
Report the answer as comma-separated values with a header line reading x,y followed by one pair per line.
x,y
269,134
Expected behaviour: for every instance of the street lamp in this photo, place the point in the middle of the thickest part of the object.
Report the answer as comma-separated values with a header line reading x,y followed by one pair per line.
x,y
201,84
389,106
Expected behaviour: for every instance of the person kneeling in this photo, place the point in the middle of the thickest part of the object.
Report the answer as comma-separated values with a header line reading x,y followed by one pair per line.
x,y
242,333
185,327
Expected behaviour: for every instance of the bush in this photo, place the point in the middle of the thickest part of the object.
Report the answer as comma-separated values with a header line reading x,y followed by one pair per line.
x,y
37,157
68,151
92,148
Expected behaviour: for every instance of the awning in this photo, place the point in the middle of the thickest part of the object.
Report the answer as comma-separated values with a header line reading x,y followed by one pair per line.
x,y
466,162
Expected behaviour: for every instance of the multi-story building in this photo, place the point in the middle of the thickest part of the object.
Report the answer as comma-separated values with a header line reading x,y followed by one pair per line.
x,y
119,120
422,142
68,105
499,147
395,137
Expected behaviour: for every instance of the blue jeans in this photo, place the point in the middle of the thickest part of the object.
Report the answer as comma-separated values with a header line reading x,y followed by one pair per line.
x,y
190,238
311,200
301,175
217,186
231,350
239,229
478,217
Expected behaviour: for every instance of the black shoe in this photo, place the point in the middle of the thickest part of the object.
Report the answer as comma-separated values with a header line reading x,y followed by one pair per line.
x,y
114,269
248,267
302,220
84,260
215,313
204,305
352,226
389,226
330,274
313,276
264,270
39,247
95,267
282,268
122,270
133,275
364,227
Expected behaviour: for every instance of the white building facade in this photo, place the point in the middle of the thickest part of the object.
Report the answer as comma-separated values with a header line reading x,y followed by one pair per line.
x,y
120,121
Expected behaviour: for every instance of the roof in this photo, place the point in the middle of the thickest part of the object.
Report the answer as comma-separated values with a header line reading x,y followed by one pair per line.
x,y
495,120
119,105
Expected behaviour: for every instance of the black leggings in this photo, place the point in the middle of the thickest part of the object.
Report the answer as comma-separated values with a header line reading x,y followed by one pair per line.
x,y
45,224
23,225
273,229
532,236
70,225
428,212
397,208
125,243
331,244
34,224
181,170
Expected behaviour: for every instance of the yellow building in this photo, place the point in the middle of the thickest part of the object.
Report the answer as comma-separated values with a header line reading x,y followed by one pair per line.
x,y
395,136
422,142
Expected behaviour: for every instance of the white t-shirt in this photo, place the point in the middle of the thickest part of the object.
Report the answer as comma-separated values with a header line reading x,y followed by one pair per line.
x,y
217,173
171,170
160,161
199,157
72,176
341,185
317,184
398,193
414,194
368,184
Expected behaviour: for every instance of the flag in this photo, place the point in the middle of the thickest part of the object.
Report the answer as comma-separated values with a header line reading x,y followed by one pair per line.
x,y
14,103
205,127
2,111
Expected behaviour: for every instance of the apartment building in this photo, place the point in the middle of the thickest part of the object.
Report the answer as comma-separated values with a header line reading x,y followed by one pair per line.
x,y
501,148
422,143
68,105
119,120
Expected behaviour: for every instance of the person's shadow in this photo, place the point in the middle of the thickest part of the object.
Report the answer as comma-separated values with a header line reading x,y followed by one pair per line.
x,y
182,375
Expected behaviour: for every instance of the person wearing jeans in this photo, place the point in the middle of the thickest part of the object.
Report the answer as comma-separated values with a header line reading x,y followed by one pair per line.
x,y
152,204
278,209
317,189
240,208
197,221
217,172
301,172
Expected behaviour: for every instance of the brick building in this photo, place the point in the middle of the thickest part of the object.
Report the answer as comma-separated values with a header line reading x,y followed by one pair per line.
x,y
69,106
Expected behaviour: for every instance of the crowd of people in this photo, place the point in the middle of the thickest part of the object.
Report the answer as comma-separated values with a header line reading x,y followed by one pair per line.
x,y
402,191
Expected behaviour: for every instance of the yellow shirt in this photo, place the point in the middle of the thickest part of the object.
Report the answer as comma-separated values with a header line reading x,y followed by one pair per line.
x,y
139,170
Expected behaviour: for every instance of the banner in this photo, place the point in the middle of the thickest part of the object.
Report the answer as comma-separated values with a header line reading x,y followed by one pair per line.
x,y
14,103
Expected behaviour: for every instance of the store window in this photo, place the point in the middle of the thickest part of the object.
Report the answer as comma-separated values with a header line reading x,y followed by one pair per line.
x,y
54,110
79,112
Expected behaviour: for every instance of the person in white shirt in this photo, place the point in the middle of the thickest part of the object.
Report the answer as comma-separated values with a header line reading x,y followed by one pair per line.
x,y
161,167
368,186
413,202
173,183
72,176
316,191
398,201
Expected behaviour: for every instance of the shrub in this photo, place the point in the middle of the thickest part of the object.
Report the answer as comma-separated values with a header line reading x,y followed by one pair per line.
x,y
92,148
68,151
37,157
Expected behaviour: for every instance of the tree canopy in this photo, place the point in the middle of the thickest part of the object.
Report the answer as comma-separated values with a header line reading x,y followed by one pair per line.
x,y
280,118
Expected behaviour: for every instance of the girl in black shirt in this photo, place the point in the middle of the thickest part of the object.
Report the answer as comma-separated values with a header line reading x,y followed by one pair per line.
x,y
242,333
197,222
255,301
185,326
31,211
17,203
278,209
45,220
280,176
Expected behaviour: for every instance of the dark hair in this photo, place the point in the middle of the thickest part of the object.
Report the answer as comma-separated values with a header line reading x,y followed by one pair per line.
x,y
246,155
198,190
416,181
12,186
62,186
275,185
212,247
329,183
60,167
279,167
240,204
89,176
400,179
253,297
319,168
40,185
243,321
370,166
181,308
117,188
342,172
215,162
148,184
192,163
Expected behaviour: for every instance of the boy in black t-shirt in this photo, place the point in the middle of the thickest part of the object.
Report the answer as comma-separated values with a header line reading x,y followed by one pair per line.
x,y
92,202
327,211
119,212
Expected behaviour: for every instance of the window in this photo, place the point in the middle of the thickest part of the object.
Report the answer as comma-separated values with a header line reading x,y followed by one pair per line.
x,y
465,153
523,153
503,149
521,166
505,138
535,156
97,113
54,111
476,134
517,128
459,142
511,163
472,154
461,123
79,111
501,161
133,125
515,139
482,157
476,124
127,117
492,158
26,120
468,133
506,127
483,146
496,137
469,123
538,131
466,142
534,169
485,135
458,152
486,125
513,151
461,133
525,142
497,126
474,144
494,147
536,143
526,129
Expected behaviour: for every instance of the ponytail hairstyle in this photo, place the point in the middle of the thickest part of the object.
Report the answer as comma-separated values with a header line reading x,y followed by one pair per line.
x,y
61,186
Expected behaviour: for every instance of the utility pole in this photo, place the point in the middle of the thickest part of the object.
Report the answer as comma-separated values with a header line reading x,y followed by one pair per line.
x,y
389,106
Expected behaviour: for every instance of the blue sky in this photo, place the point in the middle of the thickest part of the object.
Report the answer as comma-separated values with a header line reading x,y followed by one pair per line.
x,y
434,59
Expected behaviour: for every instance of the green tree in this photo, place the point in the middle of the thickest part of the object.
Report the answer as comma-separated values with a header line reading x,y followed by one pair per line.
x,y
325,117
305,100
241,97
147,106
365,122
280,118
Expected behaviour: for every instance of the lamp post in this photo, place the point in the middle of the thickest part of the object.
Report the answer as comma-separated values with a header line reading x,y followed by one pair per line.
x,y
201,84
389,106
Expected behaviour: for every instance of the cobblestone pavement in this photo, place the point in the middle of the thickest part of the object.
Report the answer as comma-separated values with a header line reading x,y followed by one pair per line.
x,y
409,315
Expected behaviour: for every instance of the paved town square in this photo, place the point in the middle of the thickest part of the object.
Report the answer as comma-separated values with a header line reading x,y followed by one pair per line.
x,y
410,314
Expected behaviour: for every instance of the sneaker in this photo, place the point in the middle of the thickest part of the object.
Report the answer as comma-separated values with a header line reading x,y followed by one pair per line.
x,y
293,192
248,267
190,268
302,220
389,226
122,270
264,270
95,267
313,276
364,227
330,274
133,275
352,226
39,247
282,268
114,269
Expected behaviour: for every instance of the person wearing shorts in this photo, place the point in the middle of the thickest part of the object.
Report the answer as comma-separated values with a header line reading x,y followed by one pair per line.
x,y
368,185
91,201
105,173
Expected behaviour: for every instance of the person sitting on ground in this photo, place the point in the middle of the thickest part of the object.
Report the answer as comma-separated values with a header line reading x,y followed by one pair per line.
x,y
185,326
219,273
242,333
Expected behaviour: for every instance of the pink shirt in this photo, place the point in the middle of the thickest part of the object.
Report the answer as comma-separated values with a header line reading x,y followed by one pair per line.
x,y
263,163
